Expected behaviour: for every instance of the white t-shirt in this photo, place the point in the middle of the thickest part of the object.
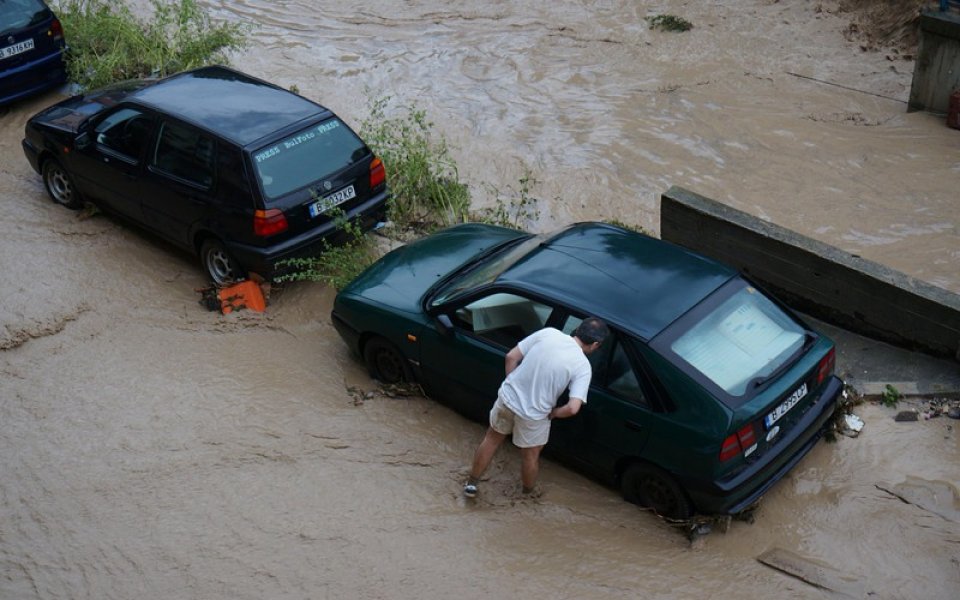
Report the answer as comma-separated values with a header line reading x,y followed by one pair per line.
x,y
552,362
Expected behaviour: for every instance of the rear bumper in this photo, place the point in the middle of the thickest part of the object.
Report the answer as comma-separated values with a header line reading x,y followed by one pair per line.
x,y
263,261
32,78
736,494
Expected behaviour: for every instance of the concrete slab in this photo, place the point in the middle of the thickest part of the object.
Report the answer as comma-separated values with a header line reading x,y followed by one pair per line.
x,y
869,365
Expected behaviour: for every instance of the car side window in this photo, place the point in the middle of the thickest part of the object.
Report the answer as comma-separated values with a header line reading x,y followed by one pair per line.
x,y
612,369
621,378
185,153
125,132
502,318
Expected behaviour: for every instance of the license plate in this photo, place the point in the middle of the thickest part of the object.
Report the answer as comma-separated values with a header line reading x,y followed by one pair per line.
x,y
18,48
324,204
785,407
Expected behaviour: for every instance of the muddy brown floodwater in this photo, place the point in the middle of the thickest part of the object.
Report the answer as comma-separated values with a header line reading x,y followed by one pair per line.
x,y
154,450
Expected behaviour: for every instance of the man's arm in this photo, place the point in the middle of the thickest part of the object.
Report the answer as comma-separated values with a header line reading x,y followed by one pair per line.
x,y
567,410
512,360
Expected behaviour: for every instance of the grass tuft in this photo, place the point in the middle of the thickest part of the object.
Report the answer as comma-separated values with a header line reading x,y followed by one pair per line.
x,y
669,23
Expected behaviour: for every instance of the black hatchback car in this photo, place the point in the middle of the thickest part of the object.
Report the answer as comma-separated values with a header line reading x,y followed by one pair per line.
x,y
235,169
31,49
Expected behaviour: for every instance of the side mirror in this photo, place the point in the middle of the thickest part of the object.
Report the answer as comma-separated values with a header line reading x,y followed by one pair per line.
x,y
443,325
82,141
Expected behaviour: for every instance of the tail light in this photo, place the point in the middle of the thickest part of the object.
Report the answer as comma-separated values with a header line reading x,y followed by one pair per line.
x,y
56,30
378,174
743,441
826,366
269,222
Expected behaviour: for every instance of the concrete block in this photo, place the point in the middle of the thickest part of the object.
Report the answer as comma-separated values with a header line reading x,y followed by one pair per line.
x,y
936,73
816,278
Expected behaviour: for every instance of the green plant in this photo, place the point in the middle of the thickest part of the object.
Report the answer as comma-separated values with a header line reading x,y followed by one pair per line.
x,y
108,43
669,23
338,264
423,177
515,212
890,396
624,225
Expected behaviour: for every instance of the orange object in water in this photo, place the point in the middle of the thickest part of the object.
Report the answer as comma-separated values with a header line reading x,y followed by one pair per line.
x,y
953,112
246,294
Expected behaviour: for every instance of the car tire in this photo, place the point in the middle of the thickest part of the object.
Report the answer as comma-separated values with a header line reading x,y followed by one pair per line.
x,y
60,186
385,362
654,488
217,262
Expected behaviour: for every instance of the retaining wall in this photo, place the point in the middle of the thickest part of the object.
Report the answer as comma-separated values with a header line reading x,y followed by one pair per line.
x,y
816,278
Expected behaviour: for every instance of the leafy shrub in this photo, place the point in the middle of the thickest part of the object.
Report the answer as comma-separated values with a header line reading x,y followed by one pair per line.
x,y
890,396
423,177
669,23
108,43
514,212
339,263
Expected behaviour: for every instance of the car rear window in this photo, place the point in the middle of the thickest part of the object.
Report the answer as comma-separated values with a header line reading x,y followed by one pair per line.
x,y
307,157
17,14
742,340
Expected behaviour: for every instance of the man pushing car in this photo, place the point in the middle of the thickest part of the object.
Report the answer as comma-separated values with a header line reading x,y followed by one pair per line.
x,y
538,370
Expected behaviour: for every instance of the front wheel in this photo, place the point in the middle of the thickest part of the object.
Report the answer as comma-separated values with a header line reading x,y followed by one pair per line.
x,y
385,363
654,488
220,266
60,186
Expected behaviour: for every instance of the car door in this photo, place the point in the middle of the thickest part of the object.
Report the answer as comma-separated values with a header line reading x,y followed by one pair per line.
x,y
179,186
464,364
616,420
107,163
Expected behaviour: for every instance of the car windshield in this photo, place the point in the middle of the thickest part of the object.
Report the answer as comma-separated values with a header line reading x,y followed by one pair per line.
x,y
307,157
488,268
17,14
744,339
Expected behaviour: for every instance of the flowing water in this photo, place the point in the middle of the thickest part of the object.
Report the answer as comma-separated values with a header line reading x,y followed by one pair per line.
x,y
154,450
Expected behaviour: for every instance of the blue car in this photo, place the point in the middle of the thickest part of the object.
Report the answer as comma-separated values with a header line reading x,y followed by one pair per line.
x,y
31,49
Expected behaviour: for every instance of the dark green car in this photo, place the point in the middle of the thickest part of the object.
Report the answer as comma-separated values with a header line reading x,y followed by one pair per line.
x,y
707,393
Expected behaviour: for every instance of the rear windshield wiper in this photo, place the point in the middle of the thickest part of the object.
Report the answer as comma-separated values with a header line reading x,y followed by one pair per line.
x,y
808,339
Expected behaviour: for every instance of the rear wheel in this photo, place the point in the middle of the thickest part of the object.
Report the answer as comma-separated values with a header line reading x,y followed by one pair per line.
x,y
385,363
220,266
59,185
654,488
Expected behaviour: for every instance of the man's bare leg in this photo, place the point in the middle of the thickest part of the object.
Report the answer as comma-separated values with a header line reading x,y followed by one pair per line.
x,y
484,454
530,467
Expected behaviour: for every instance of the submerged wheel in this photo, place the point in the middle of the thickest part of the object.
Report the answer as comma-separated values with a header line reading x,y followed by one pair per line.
x,y
59,185
220,266
384,362
654,488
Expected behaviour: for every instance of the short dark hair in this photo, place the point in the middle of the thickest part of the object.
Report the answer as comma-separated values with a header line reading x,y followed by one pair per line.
x,y
591,330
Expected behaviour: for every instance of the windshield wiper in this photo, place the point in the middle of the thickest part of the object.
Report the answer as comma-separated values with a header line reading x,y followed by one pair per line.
x,y
808,339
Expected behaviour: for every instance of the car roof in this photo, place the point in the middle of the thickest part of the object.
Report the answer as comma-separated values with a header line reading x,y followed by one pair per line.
x,y
636,282
238,107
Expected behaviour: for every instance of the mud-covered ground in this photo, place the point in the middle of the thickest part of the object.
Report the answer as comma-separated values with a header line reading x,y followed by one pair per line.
x,y
154,450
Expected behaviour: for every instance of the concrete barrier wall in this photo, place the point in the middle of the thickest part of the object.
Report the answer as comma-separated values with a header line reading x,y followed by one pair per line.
x,y
816,278
936,73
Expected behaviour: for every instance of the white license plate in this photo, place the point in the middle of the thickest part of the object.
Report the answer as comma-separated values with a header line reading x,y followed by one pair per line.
x,y
785,406
324,204
18,48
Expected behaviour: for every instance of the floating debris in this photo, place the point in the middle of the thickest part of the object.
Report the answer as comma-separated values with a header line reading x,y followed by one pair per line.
x,y
852,425
907,415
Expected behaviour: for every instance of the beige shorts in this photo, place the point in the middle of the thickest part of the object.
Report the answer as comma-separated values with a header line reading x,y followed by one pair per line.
x,y
526,433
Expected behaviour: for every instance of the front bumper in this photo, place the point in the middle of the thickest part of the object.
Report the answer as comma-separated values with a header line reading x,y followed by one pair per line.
x,y
738,493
